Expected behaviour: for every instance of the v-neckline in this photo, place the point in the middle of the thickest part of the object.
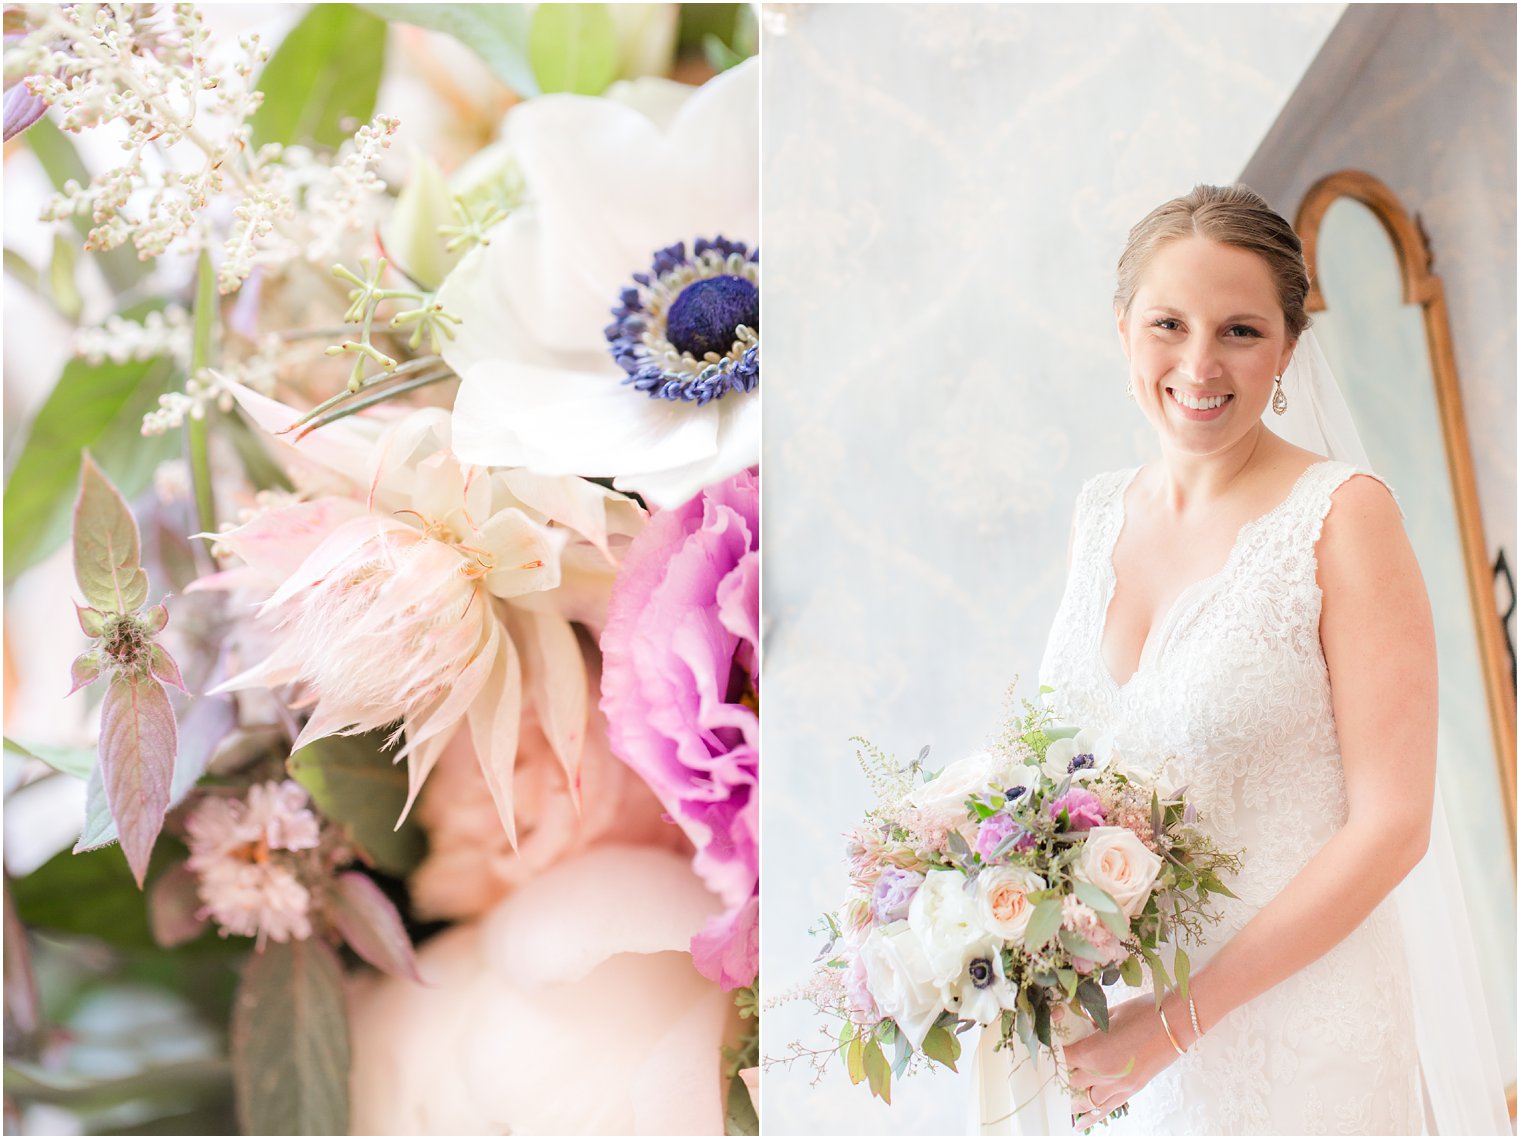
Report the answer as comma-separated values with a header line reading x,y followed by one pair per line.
x,y
1155,636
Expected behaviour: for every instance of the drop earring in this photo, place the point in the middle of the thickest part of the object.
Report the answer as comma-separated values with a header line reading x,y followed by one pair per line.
x,y
1279,401
1129,387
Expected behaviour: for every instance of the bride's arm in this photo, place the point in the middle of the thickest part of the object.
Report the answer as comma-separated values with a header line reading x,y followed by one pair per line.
x,y
1379,646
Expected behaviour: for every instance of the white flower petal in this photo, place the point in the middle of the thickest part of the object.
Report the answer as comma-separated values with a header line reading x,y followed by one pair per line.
x,y
573,423
738,449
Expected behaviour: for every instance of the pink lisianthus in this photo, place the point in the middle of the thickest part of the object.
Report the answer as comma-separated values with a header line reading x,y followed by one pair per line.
x,y
1084,810
679,688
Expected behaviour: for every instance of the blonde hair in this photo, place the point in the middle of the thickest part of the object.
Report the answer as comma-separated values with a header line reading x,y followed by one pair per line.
x,y
1231,215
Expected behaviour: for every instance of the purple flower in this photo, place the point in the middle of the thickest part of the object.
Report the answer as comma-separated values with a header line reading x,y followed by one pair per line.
x,y
894,891
22,109
994,830
680,692
1082,807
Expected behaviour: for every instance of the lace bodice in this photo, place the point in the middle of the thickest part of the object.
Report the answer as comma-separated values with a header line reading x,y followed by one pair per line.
x,y
1232,697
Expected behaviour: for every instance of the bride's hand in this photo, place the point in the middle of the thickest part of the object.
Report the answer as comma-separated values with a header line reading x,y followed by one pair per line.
x,y
1097,1064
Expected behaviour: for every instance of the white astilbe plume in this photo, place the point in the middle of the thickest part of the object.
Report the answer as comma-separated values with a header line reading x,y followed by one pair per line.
x,y
183,102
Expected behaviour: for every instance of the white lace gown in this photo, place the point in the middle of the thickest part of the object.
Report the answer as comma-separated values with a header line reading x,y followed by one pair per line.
x,y
1232,690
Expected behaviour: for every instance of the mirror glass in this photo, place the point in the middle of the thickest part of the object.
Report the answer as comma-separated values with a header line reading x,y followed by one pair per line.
x,y
1377,345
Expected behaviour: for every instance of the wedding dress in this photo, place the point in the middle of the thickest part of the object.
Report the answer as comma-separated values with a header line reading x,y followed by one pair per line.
x,y
1232,693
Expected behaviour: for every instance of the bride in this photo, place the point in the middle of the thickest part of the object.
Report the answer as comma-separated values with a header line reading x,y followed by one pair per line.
x,y
1250,615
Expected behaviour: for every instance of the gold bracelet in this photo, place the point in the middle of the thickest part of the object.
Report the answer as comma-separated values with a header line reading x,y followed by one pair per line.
x,y
1193,1012
1180,1050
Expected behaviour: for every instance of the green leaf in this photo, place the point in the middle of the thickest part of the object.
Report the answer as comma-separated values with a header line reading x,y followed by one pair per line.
x,y
1095,896
573,47
1182,967
207,313
1042,1024
99,827
1090,993
61,162
942,1046
99,407
855,1060
739,1117
698,21
1077,945
358,787
1043,923
75,761
89,895
326,71
878,1072
62,285
498,33
107,550
290,1041
138,742
1161,981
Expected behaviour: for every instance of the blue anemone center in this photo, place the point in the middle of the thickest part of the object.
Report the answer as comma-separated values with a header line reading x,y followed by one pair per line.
x,y
705,315
1081,761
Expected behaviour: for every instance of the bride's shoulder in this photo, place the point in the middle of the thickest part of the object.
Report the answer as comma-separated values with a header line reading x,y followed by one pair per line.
x,y
1105,486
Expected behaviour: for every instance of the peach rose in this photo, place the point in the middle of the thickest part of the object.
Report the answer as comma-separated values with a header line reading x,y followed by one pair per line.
x,y
1003,900
1115,860
573,1007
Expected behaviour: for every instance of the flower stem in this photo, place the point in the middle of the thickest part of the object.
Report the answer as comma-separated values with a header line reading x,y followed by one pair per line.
x,y
197,436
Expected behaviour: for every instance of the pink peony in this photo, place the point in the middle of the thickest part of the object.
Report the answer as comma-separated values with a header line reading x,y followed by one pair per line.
x,y
1082,807
570,1008
679,688
471,865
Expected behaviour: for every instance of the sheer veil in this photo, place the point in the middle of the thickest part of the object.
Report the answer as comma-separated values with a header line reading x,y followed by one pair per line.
x,y
1464,1091
1463,1088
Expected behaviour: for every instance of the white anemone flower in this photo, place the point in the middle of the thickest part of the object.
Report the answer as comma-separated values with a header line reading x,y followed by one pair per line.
x,y
1083,756
638,216
432,594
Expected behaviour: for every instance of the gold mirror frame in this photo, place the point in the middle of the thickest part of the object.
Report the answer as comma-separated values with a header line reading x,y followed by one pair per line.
x,y
1424,288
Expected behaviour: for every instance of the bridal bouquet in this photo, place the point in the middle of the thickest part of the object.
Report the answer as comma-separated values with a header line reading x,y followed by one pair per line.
x,y
381,566
1006,890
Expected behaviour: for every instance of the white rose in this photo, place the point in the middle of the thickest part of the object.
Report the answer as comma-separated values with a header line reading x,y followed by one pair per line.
x,y
1060,753
1115,860
900,980
943,915
976,774
1003,903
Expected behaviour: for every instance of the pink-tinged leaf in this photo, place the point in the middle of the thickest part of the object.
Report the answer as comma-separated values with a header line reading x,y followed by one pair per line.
x,y
162,665
495,719
138,741
372,927
155,620
107,551
92,621
173,903
85,670
554,674
290,1053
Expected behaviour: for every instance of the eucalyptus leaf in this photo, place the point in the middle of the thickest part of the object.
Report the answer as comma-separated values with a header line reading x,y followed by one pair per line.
x,y
1042,1023
878,1072
1095,896
95,406
1182,968
325,73
1077,945
1130,971
290,1049
1091,994
855,1060
498,33
358,787
78,762
573,48
1043,923
942,1046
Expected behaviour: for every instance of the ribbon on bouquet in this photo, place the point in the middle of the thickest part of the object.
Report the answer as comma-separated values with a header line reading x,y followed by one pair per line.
x,y
1014,1094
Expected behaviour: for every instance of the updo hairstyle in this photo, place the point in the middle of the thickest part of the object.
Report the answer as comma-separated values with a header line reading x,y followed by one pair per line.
x,y
1230,215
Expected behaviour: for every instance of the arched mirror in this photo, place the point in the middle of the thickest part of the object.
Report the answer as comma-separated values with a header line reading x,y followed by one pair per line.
x,y
1380,315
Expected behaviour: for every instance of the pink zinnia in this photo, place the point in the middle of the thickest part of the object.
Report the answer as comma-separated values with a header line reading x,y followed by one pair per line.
x,y
680,691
